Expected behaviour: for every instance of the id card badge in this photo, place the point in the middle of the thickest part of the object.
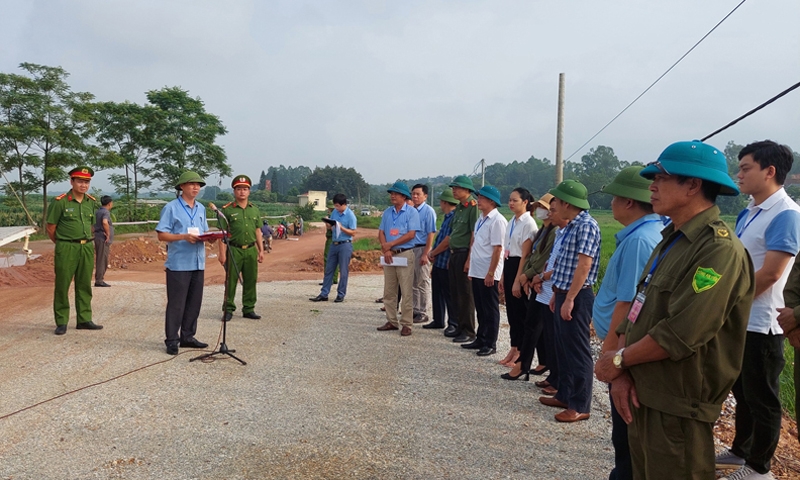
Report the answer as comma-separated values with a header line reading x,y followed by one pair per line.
x,y
633,313
394,232
193,231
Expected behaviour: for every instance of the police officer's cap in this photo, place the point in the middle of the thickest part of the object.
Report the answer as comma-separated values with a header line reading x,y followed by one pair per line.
x,y
189,177
81,172
572,192
629,184
463,181
694,159
401,188
241,180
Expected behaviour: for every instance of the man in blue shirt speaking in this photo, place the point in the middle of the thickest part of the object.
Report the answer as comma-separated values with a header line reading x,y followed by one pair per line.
x,y
341,249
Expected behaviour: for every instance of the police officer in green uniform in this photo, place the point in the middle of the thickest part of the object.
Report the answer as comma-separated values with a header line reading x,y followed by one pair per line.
x,y
246,247
460,239
682,341
70,225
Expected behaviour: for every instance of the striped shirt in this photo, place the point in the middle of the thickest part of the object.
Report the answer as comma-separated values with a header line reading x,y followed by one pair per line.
x,y
581,236
444,231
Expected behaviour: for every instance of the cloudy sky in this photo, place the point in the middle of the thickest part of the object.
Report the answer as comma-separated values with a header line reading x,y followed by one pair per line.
x,y
406,88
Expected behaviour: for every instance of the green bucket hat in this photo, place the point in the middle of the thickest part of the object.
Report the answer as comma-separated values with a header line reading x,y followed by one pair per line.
x,y
694,159
490,192
189,176
447,196
463,181
329,204
629,184
401,188
572,192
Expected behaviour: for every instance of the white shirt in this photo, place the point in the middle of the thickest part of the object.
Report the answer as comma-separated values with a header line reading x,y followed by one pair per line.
x,y
490,231
519,230
773,225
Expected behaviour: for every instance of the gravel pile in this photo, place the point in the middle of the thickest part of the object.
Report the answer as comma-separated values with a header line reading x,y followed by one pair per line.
x,y
323,395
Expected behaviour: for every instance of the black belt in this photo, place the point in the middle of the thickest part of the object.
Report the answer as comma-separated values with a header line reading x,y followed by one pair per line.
x,y
459,250
559,290
343,241
401,250
418,245
243,247
77,241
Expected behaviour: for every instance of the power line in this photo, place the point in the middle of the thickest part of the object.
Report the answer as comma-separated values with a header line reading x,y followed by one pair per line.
x,y
657,80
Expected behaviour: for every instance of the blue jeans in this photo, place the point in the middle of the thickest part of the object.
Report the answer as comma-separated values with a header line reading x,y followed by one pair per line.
x,y
338,256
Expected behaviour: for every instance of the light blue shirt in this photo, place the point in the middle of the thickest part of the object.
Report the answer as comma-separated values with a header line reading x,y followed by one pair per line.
x,y
347,220
427,223
177,217
634,245
395,224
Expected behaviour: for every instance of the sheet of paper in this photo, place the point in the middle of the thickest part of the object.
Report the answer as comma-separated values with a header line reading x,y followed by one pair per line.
x,y
396,262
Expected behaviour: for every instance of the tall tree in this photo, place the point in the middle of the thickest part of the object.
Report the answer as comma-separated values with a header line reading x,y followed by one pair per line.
x,y
595,170
184,137
262,181
15,137
337,180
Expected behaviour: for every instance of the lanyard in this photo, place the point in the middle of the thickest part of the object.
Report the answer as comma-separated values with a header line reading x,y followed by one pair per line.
x,y
513,223
640,225
395,215
745,225
658,260
191,216
480,224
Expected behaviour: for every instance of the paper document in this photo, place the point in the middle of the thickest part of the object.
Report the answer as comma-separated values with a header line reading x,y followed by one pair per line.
x,y
396,262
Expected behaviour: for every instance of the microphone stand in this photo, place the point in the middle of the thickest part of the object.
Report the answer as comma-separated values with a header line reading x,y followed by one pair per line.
x,y
223,346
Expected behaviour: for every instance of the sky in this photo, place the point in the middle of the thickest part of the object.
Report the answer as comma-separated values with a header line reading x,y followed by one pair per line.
x,y
407,89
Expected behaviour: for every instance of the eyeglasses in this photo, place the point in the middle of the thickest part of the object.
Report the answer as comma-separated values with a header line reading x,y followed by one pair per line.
x,y
659,166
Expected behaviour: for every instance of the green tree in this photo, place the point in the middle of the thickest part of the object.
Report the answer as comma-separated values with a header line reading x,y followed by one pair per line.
x,y
185,137
262,181
306,211
211,192
337,180
730,205
595,170
16,140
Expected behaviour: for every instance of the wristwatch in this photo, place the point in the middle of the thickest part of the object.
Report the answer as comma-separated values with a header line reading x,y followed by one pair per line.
x,y
541,276
618,358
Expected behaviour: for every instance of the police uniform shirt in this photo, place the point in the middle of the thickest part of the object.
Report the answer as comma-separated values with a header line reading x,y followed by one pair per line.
x,y
243,223
73,220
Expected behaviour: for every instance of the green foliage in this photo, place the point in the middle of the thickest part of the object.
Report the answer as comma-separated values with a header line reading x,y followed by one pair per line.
x,y
595,170
337,180
263,196
210,192
366,243
283,179
306,211
787,387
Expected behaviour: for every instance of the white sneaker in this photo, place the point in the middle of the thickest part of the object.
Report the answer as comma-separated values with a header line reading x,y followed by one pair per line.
x,y
747,473
726,459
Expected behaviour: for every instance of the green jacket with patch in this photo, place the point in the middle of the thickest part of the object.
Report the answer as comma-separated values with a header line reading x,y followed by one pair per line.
x,y
697,308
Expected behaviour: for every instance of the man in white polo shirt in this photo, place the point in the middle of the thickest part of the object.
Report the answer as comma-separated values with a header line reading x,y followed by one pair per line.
x,y
769,228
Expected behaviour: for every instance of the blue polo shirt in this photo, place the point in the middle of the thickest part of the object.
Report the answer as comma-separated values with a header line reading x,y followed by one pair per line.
x,y
395,224
634,245
347,220
177,217
427,223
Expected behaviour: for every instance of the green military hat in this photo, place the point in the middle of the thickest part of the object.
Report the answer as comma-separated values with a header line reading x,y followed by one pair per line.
x,y
329,204
694,159
447,196
189,177
490,192
81,172
629,184
401,188
572,192
241,180
463,181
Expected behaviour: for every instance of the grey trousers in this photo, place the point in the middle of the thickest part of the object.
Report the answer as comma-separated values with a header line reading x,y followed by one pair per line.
x,y
101,249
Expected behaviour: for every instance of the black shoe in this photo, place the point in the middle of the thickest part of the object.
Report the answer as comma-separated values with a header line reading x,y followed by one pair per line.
x,y
61,330
319,298
463,338
193,343
339,300
508,376
252,315
89,326
227,317
486,351
172,349
451,331
421,318
539,370
321,283
101,284
473,345
433,325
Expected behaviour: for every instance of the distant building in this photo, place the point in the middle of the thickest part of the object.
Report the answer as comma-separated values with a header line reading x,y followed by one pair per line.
x,y
268,185
316,197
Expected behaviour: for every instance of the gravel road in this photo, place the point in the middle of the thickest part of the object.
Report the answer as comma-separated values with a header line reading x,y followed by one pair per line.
x,y
323,395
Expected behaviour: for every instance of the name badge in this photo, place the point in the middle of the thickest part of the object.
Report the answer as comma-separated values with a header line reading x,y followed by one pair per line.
x,y
394,232
633,313
193,231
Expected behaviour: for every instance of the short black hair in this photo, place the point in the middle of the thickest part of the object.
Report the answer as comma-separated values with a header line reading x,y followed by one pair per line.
x,y
340,199
710,189
768,153
105,200
422,186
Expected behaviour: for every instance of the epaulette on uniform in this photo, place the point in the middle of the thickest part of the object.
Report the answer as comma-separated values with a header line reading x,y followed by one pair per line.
x,y
61,196
91,197
721,231
473,202
227,205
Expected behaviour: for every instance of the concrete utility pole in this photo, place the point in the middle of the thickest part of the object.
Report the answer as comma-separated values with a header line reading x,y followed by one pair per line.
x,y
560,131
483,173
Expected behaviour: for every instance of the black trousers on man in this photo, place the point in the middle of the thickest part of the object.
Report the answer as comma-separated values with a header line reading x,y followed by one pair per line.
x,y
575,364
623,470
461,293
440,293
184,298
487,304
758,404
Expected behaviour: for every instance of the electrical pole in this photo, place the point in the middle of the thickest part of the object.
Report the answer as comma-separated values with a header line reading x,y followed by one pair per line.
x,y
483,173
560,131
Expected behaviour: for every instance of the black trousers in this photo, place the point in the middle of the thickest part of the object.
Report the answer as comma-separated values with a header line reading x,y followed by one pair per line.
x,y
184,298
487,304
516,308
575,365
758,405
461,293
623,470
440,292
533,333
